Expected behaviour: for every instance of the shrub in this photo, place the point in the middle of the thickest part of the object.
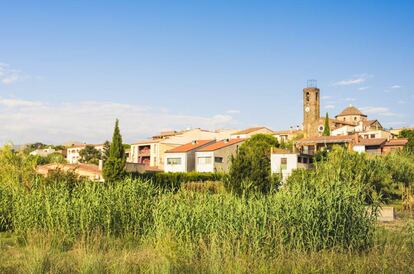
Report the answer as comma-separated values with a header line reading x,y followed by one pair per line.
x,y
250,169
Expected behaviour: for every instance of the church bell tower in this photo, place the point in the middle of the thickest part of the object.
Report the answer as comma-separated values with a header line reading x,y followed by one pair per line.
x,y
311,109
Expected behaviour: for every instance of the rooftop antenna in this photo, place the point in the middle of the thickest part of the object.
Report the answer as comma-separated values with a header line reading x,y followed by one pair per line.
x,y
312,83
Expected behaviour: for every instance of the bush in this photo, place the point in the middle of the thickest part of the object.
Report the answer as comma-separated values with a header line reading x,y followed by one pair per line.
x,y
174,180
250,169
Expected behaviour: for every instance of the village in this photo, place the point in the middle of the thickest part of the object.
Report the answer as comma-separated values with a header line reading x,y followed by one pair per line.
x,y
203,150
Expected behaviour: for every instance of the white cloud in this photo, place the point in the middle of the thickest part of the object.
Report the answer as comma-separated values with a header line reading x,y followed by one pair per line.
x,y
326,97
9,75
233,111
357,79
363,88
382,111
329,106
350,99
23,121
395,87
401,102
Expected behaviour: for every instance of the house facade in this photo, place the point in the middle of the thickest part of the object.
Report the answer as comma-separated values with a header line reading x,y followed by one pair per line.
x,y
72,153
217,156
284,162
151,152
182,158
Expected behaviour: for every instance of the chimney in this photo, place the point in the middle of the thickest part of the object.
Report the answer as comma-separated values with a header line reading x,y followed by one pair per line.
x,y
100,166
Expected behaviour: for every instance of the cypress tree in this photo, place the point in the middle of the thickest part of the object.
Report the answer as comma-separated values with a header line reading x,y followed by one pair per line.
x,y
326,129
114,167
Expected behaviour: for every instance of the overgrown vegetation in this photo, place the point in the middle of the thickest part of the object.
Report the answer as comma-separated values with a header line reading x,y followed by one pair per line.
x,y
321,218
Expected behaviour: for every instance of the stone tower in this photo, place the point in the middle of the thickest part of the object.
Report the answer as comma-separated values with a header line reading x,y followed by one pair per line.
x,y
311,111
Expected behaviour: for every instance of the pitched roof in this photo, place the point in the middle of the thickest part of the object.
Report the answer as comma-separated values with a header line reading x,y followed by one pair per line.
x,y
397,142
351,110
326,139
222,144
372,142
249,130
190,146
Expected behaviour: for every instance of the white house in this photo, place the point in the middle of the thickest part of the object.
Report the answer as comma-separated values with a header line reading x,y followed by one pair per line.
x,y
43,152
283,162
72,153
216,157
182,158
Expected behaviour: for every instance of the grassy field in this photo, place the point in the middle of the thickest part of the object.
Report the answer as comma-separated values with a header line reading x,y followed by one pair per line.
x,y
320,221
392,252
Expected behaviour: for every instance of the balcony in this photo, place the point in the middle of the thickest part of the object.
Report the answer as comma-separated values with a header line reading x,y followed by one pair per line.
x,y
144,152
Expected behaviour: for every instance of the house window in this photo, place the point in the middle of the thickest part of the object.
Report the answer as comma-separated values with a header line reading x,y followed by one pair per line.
x,y
174,161
283,163
218,159
204,160
372,136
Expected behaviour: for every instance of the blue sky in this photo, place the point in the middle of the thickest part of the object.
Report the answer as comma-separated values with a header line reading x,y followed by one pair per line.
x,y
69,68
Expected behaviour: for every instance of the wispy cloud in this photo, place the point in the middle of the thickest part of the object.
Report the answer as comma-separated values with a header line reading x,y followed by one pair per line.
x,y
233,111
381,111
401,102
363,88
23,121
326,97
9,75
329,106
395,86
357,79
349,99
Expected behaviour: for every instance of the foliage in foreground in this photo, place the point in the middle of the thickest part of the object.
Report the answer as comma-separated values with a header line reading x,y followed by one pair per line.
x,y
307,217
392,252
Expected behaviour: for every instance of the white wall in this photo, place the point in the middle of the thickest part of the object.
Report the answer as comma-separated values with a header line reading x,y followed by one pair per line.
x,y
175,168
205,167
359,148
292,164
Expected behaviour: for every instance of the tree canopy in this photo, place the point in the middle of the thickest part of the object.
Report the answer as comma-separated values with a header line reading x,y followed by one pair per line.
x,y
408,133
90,155
250,169
114,167
326,128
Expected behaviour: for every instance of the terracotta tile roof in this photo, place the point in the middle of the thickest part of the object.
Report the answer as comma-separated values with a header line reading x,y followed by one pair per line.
x,y
249,130
326,139
372,142
397,142
190,146
222,144
351,110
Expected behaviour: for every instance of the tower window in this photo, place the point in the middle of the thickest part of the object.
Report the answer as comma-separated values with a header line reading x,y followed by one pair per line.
x,y
307,96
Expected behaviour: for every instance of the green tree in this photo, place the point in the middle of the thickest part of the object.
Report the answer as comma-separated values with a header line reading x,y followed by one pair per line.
x,y
408,133
105,152
114,167
89,155
250,169
326,129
